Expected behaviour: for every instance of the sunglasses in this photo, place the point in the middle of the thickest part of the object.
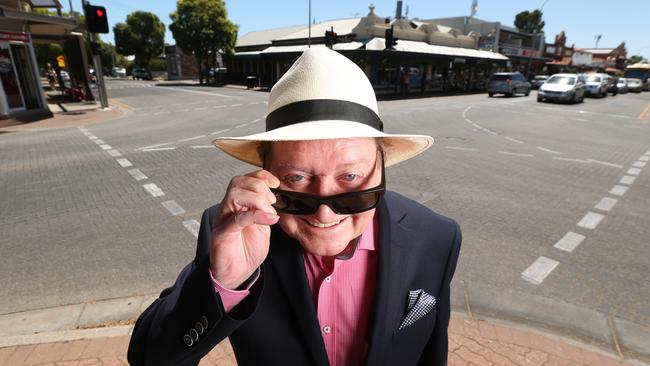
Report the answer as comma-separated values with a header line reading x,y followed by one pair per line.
x,y
349,203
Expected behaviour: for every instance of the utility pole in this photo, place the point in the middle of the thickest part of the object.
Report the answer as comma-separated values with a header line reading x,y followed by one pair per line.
x,y
598,37
309,42
97,63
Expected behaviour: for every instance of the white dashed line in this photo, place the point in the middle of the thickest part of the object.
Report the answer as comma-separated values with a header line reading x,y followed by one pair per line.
x,y
192,138
152,146
572,160
159,113
538,271
153,190
219,106
203,147
639,164
461,148
114,153
196,92
124,163
618,190
182,110
569,242
252,103
106,147
579,119
99,142
633,171
548,150
591,220
256,120
605,163
219,132
242,125
201,109
159,149
236,105
93,137
195,103
193,227
137,174
173,207
513,140
627,179
644,158
606,204
516,154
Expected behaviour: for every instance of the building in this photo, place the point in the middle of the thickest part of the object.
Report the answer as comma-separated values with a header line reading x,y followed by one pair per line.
x,y
21,92
608,59
179,64
427,57
524,50
560,55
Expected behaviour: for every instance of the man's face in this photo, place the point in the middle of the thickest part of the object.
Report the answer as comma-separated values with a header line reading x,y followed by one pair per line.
x,y
325,168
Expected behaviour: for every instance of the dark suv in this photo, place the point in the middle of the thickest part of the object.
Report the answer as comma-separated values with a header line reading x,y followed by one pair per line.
x,y
141,74
508,83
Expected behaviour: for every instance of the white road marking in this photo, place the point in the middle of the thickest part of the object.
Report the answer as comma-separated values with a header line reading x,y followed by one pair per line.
x,y
627,179
572,160
82,129
606,204
461,148
106,147
201,109
203,147
647,152
251,103
89,134
618,190
579,119
549,150
256,120
182,110
196,92
605,163
124,163
516,154
236,105
242,125
194,102
159,149
633,171
192,138
569,242
114,153
639,164
538,271
173,207
490,132
644,158
220,131
137,174
591,220
159,113
153,189
219,106
99,142
152,146
193,227
513,140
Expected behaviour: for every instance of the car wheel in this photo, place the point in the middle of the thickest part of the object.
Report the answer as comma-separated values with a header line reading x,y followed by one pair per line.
x,y
540,99
527,93
490,95
509,94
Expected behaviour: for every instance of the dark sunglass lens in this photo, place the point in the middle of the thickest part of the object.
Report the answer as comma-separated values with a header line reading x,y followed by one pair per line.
x,y
355,203
286,202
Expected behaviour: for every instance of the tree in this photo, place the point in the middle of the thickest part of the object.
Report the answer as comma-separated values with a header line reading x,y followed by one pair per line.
x,y
636,59
530,21
202,28
142,35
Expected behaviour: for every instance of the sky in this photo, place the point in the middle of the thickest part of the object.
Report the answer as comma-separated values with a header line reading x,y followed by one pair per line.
x,y
581,20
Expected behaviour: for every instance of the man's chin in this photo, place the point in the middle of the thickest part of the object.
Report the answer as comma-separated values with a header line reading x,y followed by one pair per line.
x,y
324,249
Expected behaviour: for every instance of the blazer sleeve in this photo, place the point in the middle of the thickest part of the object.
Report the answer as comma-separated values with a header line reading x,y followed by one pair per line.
x,y
190,307
435,352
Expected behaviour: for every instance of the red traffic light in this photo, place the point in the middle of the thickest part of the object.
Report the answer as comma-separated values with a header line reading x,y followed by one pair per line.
x,y
100,13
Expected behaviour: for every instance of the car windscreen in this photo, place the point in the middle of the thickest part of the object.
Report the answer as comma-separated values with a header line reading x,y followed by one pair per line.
x,y
593,78
562,80
502,77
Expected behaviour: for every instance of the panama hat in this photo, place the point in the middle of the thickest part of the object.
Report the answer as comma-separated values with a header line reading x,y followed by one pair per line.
x,y
323,95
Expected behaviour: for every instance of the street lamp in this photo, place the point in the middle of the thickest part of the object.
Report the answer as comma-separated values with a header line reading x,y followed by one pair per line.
x,y
309,22
542,7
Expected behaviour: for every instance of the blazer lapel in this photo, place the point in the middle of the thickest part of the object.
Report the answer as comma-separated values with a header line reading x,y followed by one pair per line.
x,y
285,256
393,256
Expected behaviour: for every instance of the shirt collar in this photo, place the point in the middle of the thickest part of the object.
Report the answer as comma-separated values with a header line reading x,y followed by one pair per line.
x,y
369,236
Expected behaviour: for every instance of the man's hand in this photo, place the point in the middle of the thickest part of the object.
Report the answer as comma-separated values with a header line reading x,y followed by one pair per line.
x,y
240,230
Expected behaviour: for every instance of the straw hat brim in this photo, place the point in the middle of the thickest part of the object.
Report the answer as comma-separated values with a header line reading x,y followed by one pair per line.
x,y
397,147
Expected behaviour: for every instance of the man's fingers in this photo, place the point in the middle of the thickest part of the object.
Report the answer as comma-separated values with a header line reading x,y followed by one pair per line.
x,y
256,185
255,217
266,176
243,200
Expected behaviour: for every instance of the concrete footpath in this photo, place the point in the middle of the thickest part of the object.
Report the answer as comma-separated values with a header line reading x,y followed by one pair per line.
x,y
471,342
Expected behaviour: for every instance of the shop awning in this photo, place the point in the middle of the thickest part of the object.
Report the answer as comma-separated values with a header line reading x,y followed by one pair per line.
x,y
301,48
565,61
378,44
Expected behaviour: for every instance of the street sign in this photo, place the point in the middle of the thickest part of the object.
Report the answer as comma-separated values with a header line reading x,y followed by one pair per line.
x,y
61,61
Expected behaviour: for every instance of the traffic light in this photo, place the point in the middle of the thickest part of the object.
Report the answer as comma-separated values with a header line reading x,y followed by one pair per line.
x,y
96,19
330,38
389,40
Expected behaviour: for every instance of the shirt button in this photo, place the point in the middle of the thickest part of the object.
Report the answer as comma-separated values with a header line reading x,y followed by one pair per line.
x,y
328,279
327,329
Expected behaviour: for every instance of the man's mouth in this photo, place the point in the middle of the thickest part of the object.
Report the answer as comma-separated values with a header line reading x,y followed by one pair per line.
x,y
319,224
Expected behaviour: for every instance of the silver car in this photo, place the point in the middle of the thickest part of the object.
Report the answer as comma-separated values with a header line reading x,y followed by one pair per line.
x,y
596,85
563,88
634,85
621,84
508,83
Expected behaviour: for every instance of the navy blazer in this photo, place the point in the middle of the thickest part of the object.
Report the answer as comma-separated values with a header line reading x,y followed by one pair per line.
x,y
277,324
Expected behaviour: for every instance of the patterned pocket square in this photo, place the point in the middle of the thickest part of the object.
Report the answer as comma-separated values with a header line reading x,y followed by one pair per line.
x,y
420,303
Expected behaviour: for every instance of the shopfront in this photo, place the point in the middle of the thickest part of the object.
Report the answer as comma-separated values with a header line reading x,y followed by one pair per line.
x,y
19,79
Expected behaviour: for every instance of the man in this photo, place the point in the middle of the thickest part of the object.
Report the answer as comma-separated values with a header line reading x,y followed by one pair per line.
x,y
309,261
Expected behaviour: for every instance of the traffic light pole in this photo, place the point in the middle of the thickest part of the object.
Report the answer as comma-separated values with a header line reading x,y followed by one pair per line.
x,y
99,75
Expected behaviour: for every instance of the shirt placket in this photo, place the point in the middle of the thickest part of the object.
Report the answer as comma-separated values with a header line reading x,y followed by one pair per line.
x,y
327,311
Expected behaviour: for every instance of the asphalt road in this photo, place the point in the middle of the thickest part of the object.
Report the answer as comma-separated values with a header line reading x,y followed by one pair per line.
x,y
84,220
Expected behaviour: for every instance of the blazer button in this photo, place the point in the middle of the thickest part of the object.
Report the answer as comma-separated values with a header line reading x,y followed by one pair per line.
x,y
188,340
204,322
199,327
194,334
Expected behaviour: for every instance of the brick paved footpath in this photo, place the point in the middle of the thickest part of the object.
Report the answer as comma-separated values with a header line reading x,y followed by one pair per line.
x,y
470,343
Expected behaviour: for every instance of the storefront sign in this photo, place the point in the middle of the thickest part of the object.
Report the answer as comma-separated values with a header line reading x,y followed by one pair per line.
x,y
61,61
14,37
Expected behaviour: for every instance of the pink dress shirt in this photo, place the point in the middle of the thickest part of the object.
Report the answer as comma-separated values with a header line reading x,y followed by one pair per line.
x,y
343,291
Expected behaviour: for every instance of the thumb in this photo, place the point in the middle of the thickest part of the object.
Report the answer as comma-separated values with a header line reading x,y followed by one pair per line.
x,y
254,217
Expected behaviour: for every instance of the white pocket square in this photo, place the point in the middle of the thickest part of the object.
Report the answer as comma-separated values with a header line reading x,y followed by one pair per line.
x,y
420,303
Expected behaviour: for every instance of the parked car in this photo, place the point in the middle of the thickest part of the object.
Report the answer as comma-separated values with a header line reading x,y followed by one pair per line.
x,y
142,74
612,85
596,85
563,88
634,85
621,85
538,81
118,72
508,83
